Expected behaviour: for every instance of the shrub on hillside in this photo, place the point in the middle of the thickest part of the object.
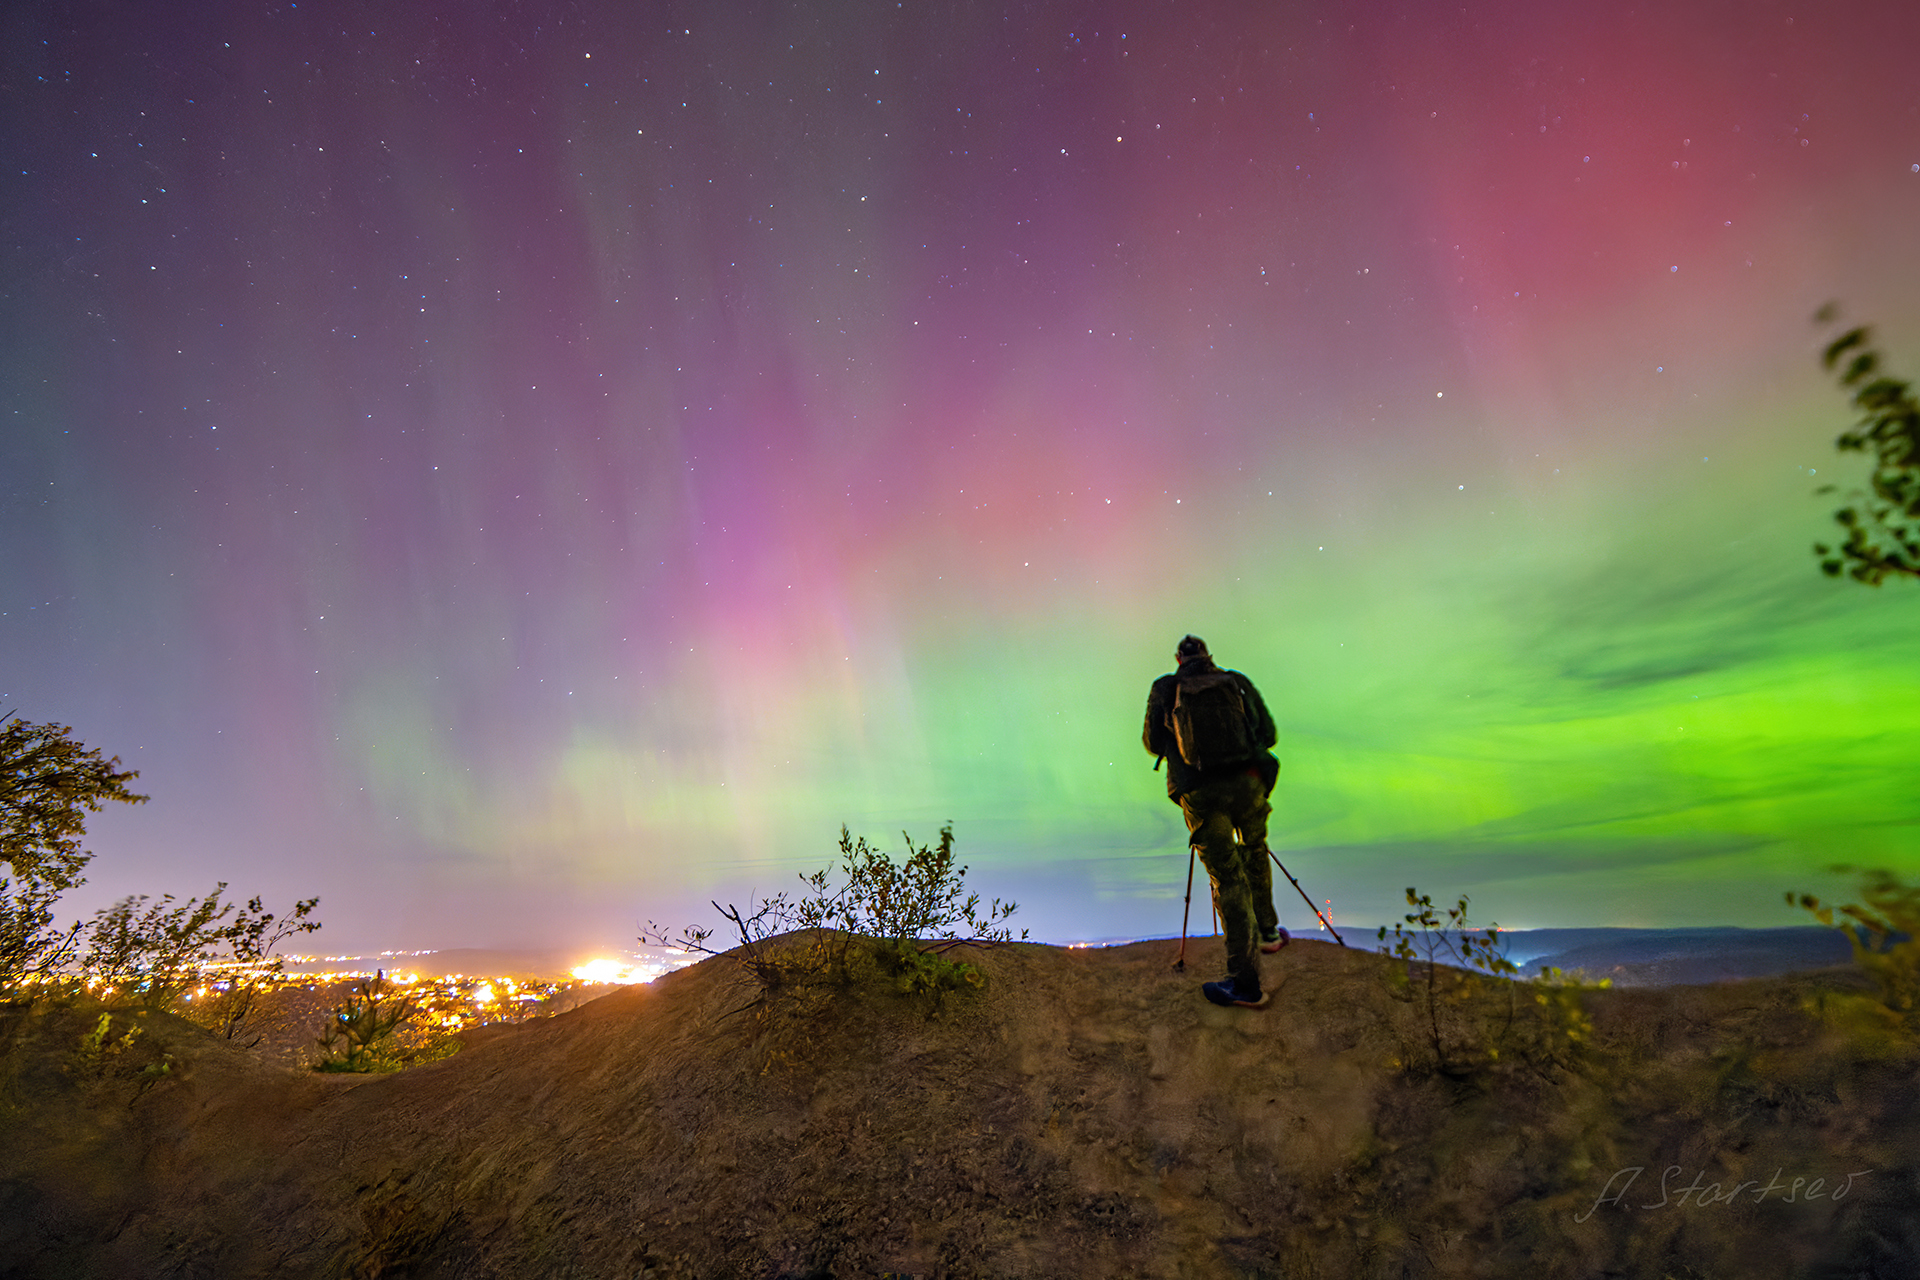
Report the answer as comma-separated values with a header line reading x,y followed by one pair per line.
x,y
1469,999
33,950
898,916
137,951
156,954
1884,931
359,1037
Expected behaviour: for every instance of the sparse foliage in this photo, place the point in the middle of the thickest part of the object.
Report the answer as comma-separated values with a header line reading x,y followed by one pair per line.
x,y
100,1046
32,949
139,951
150,954
249,967
101,1054
919,898
1882,526
1436,955
153,953
1885,933
359,1035
48,784
928,973
1469,1018
905,913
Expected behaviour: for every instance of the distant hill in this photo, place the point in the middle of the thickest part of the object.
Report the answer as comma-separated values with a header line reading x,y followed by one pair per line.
x,y
1085,1114
1656,957
1661,957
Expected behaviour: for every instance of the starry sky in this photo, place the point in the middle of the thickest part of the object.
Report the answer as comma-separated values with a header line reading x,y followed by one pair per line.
x,y
521,469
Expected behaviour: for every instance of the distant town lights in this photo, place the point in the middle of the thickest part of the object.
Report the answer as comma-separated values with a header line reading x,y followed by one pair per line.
x,y
616,971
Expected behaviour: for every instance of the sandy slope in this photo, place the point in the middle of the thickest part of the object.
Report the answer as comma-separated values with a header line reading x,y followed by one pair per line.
x,y
1085,1115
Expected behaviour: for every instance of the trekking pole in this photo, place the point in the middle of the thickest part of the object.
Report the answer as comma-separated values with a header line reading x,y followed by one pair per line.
x,y
1180,965
1303,897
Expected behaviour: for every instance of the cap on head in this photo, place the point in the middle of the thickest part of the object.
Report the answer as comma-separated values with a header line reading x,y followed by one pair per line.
x,y
1190,647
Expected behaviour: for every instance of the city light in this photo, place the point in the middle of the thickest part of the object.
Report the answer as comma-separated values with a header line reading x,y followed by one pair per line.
x,y
620,972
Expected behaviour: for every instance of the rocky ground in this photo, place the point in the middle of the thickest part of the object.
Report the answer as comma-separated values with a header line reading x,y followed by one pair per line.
x,y
1084,1114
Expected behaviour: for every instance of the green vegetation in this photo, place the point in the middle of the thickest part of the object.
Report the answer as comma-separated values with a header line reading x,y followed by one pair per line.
x,y
32,949
153,957
100,1046
48,784
870,912
1882,526
1468,1018
360,1036
1885,933
207,958
251,968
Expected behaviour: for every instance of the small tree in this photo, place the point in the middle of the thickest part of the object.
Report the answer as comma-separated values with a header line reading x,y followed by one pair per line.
x,y
918,899
249,967
1436,955
1471,1019
911,911
48,784
358,1035
150,955
1882,527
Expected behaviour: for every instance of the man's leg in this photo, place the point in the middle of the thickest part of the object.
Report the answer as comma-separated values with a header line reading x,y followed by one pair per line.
x,y
1260,886
1251,820
1208,810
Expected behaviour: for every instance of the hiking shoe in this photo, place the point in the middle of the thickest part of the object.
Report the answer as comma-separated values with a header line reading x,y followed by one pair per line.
x,y
1272,942
1239,994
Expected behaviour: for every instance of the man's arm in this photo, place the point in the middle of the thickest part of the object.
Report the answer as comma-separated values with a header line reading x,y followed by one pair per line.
x,y
1264,732
1158,741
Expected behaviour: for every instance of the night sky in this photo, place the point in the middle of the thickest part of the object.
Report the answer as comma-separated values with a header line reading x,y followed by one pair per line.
x,y
517,470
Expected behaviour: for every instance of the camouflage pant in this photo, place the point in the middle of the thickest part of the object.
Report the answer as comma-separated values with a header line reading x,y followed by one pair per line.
x,y
1227,819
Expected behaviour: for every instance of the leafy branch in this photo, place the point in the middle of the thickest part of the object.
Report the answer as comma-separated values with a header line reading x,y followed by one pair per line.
x,y
32,949
1882,526
1884,932
1435,952
154,953
1468,997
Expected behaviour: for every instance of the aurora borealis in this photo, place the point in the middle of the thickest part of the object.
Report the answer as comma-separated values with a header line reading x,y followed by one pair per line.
x,y
519,469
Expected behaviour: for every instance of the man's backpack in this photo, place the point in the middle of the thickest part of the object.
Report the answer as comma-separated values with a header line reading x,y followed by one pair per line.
x,y
1210,722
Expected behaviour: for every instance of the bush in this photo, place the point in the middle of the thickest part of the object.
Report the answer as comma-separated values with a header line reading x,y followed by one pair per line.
x,y
928,974
902,916
1885,934
151,955
359,1036
146,953
1470,1018
101,1055
155,955
249,968
32,950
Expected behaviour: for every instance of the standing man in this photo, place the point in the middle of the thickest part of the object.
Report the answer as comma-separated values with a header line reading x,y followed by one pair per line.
x,y
1214,731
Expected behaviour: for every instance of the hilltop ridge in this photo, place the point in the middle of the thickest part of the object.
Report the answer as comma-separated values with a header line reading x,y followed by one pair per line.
x,y
1086,1114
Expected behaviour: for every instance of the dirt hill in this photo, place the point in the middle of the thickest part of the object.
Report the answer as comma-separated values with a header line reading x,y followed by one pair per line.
x,y
1085,1114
